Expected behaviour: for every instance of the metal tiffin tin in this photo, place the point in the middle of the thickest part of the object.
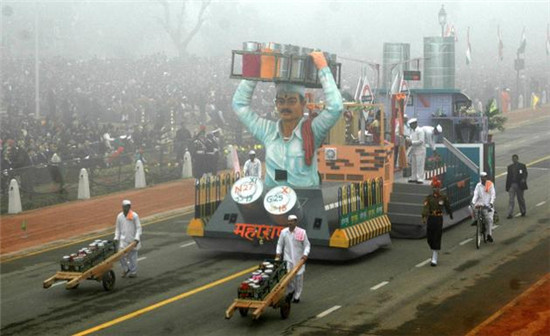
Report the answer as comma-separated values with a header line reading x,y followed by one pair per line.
x,y
251,61
310,71
268,61
280,202
248,192
283,68
333,65
297,73
268,271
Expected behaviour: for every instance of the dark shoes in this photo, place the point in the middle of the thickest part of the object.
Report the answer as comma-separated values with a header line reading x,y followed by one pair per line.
x,y
433,264
132,275
413,181
490,238
523,214
289,297
474,223
509,217
296,301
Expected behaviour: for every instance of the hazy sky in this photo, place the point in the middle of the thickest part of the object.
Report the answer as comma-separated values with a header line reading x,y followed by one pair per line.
x,y
350,28
359,28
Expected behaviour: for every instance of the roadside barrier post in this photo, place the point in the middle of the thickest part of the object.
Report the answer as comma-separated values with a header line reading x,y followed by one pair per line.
x,y
187,170
229,157
83,185
14,202
140,175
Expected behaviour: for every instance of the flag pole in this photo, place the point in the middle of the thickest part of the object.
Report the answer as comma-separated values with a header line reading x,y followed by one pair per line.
x,y
36,64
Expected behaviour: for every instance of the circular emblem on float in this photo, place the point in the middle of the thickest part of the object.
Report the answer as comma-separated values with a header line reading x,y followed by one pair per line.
x,y
247,190
280,200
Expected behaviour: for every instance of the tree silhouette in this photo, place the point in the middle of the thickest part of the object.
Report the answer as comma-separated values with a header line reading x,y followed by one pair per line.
x,y
180,33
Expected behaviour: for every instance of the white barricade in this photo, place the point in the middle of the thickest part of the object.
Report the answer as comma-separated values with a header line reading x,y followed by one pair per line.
x,y
83,185
187,170
140,175
14,202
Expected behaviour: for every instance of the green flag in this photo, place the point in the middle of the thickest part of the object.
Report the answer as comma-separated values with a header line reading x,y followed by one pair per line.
x,y
24,225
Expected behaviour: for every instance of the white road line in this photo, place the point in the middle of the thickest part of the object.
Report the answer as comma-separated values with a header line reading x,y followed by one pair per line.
x,y
188,244
464,242
382,284
425,262
59,283
541,203
142,258
328,311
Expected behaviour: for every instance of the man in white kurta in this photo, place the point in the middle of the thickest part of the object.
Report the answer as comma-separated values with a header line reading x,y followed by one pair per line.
x,y
429,132
484,195
128,230
252,166
293,245
417,152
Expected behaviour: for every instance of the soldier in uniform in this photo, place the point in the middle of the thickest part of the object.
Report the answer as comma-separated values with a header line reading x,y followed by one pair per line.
x,y
432,214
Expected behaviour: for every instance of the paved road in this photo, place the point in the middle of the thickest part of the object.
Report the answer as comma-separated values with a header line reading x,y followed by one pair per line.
x,y
390,292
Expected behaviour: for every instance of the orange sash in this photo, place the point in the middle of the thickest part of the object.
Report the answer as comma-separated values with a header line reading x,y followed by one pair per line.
x,y
488,185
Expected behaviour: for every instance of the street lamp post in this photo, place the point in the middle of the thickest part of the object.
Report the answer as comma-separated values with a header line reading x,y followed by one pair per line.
x,y
442,17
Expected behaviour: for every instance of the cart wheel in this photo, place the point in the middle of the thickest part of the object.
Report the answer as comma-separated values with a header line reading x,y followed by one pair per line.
x,y
108,280
285,309
243,312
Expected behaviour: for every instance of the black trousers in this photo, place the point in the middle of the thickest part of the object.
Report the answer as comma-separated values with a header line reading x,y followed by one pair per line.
x,y
435,231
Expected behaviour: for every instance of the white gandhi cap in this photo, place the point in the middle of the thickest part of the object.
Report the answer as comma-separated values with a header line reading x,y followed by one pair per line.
x,y
292,217
252,152
439,128
483,174
126,202
412,120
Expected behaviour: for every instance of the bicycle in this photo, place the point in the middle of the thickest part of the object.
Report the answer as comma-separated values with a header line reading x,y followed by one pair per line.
x,y
481,224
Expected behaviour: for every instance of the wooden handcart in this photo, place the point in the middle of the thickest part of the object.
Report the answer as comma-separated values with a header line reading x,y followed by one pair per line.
x,y
275,298
101,272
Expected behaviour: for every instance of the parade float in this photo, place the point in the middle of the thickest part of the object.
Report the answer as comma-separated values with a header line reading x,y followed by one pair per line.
x,y
343,219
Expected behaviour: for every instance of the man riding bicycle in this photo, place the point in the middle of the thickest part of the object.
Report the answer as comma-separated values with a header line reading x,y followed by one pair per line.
x,y
484,196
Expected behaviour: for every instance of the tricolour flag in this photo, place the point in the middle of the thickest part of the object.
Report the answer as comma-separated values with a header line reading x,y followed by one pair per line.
x,y
396,84
404,87
357,96
500,45
523,43
548,40
468,48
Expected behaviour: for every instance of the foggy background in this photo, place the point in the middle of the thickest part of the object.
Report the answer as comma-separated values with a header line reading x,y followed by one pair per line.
x,y
101,84
357,29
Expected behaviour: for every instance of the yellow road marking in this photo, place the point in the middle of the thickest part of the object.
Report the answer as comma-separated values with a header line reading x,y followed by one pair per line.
x,y
164,302
47,249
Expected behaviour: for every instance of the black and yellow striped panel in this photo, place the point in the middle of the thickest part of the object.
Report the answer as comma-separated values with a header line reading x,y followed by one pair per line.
x,y
361,232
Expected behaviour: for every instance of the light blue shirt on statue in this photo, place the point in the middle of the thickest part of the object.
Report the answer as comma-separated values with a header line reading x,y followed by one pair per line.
x,y
289,155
